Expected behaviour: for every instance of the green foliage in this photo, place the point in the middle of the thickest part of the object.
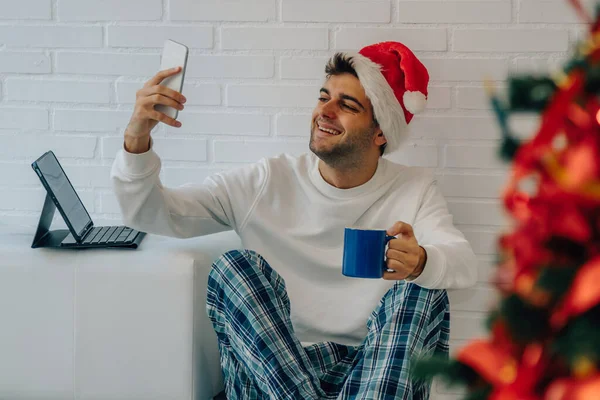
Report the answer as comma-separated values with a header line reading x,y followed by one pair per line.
x,y
529,93
579,338
525,323
450,372
556,280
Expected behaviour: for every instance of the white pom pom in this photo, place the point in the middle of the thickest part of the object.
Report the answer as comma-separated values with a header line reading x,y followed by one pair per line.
x,y
414,101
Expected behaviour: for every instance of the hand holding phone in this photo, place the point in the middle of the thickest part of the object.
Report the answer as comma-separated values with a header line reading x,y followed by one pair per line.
x,y
174,55
160,98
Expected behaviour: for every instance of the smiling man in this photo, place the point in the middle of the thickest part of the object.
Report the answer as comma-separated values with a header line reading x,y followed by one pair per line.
x,y
289,324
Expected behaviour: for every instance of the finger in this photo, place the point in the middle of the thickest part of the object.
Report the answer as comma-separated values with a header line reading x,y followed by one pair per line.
x,y
397,265
401,228
158,116
175,95
160,99
394,276
403,244
409,261
397,255
162,90
158,78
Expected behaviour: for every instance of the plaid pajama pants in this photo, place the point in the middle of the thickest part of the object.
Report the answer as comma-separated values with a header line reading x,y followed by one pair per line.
x,y
261,358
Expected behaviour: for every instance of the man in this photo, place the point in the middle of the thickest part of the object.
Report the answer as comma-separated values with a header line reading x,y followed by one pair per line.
x,y
289,324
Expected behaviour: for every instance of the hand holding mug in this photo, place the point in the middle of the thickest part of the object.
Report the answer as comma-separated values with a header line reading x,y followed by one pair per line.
x,y
365,254
404,255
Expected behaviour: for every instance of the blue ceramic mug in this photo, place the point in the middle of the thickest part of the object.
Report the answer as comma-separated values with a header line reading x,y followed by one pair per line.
x,y
364,252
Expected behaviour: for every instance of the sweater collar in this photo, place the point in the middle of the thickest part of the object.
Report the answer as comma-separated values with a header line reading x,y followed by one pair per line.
x,y
331,191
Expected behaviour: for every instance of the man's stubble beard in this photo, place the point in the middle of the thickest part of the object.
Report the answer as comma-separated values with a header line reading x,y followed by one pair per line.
x,y
348,154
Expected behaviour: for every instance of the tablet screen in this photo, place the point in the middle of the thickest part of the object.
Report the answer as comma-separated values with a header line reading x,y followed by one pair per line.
x,y
65,194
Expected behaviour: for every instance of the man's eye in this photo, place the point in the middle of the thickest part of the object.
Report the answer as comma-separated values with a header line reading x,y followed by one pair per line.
x,y
322,99
350,108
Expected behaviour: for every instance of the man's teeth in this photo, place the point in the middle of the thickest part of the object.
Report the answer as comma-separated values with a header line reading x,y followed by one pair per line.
x,y
329,131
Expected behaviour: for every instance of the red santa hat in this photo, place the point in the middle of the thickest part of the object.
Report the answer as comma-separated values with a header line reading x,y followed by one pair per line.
x,y
396,83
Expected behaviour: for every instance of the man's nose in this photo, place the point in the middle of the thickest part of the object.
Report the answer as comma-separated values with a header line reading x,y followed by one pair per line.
x,y
328,110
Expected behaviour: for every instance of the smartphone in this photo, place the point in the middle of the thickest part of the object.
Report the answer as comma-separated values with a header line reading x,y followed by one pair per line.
x,y
173,55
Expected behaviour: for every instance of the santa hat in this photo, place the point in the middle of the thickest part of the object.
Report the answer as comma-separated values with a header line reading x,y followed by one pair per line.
x,y
396,83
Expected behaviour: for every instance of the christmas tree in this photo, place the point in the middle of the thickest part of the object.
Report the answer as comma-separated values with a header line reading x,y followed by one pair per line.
x,y
544,333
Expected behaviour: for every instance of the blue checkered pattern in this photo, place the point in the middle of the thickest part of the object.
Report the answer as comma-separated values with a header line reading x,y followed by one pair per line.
x,y
261,357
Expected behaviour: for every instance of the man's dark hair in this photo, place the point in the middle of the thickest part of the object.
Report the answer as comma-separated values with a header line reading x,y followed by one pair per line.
x,y
342,64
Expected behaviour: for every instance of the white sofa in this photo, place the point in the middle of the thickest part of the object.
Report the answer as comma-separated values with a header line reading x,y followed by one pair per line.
x,y
108,324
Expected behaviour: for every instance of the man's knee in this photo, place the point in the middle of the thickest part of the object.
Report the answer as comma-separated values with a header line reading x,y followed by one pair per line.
x,y
234,262
409,302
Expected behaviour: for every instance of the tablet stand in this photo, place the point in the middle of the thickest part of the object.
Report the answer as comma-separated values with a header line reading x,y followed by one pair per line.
x,y
44,237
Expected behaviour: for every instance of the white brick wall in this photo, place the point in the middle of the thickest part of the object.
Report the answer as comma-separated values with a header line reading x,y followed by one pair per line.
x,y
69,70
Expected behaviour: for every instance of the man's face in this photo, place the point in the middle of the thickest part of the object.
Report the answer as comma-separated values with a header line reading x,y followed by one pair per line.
x,y
342,129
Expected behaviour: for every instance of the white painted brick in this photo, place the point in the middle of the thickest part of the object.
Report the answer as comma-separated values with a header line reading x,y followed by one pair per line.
x,y
375,11
483,243
293,125
303,67
477,213
109,146
547,12
464,156
510,40
445,396
486,268
171,149
222,10
90,120
33,146
23,118
230,67
175,177
33,200
26,9
196,94
439,97
57,90
416,155
470,185
109,204
467,326
88,175
524,126
24,62
202,94
466,69
272,96
109,10
538,66
51,36
454,127
473,299
107,63
155,36
222,124
274,38
416,39
252,151
454,12
440,387
17,174
473,97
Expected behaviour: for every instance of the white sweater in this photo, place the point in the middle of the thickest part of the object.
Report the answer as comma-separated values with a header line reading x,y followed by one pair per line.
x,y
283,209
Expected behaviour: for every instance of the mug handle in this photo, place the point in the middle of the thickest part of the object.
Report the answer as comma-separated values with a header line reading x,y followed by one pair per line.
x,y
387,240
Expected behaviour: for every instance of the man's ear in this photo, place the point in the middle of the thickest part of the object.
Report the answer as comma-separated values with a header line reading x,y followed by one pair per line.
x,y
379,137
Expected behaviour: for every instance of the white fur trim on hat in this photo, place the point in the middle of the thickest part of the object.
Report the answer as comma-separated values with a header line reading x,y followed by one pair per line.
x,y
414,101
387,108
